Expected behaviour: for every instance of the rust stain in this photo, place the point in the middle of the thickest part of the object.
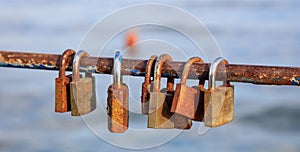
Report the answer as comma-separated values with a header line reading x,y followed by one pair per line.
x,y
256,74
1,58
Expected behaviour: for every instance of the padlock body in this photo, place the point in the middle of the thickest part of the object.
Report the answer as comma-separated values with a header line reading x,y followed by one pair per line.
x,y
180,121
83,96
218,106
185,101
157,118
160,115
117,108
62,94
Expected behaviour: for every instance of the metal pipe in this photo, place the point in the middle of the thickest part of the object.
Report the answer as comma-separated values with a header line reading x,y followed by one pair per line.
x,y
264,75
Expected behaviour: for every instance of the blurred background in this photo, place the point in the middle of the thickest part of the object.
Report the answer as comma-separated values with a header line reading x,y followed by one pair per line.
x,y
263,32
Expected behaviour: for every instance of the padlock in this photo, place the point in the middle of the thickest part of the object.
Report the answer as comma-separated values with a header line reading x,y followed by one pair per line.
x,y
156,118
180,121
186,100
62,84
117,100
83,93
199,111
159,104
146,86
218,101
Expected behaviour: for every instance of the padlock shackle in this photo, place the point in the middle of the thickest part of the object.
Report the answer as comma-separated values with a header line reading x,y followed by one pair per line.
x,y
187,68
213,71
63,62
76,64
157,72
117,76
149,68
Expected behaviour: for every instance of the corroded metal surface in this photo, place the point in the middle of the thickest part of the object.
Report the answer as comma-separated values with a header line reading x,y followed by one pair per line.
x,y
186,99
117,108
29,60
117,99
62,85
265,75
180,121
63,94
146,85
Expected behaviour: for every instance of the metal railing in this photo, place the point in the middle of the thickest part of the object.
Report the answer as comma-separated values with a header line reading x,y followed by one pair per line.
x,y
256,74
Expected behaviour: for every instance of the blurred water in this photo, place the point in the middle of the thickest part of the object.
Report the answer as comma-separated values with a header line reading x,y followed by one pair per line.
x,y
248,32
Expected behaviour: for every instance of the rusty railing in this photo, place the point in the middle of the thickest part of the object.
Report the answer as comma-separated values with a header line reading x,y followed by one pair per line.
x,y
255,74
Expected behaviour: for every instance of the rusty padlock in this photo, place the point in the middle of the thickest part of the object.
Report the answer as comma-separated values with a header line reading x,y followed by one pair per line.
x,y
156,119
117,100
160,115
180,121
186,100
83,93
218,101
62,84
146,86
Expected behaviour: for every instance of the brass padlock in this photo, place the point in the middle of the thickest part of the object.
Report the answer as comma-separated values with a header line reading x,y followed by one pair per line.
x,y
117,100
218,101
146,86
180,121
186,100
83,93
156,118
62,84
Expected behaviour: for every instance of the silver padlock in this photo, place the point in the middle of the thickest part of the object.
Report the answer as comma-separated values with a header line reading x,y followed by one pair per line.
x,y
83,93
